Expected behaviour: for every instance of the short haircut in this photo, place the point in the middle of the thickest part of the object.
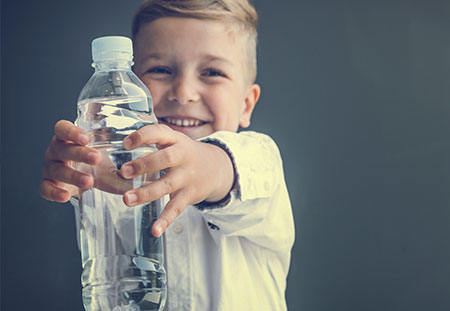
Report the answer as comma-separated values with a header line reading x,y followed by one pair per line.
x,y
240,14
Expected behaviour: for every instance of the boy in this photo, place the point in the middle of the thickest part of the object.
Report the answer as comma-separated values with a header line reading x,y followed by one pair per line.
x,y
228,225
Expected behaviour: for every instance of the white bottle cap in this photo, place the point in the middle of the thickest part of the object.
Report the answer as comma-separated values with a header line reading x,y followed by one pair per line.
x,y
112,48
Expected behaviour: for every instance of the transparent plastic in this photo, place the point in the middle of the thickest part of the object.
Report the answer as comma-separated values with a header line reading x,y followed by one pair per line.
x,y
123,263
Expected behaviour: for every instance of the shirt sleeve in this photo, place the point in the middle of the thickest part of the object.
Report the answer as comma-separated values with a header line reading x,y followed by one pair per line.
x,y
258,207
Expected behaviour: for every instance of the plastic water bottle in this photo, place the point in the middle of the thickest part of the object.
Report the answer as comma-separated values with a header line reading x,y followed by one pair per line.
x,y
122,261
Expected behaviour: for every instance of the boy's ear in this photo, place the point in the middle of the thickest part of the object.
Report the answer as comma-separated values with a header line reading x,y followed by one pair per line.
x,y
251,98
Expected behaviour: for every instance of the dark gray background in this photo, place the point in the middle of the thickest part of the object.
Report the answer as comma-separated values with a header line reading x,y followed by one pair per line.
x,y
357,95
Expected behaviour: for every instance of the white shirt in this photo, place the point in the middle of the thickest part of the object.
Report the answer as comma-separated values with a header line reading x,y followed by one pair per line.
x,y
235,257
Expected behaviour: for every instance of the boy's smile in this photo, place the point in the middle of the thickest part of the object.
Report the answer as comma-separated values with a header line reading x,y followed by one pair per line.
x,y
196,72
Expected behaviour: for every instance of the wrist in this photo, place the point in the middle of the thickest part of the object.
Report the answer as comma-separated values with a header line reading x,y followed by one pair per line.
x,y
223,172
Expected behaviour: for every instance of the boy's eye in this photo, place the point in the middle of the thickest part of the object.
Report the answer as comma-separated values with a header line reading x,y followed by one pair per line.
x,y
213,73
159,70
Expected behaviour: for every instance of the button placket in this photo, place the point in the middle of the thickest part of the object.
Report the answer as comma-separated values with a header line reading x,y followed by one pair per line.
x,y
179,295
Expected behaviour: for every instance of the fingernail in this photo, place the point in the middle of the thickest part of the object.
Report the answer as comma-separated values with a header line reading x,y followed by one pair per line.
x,y
131,198
127,142
158,229
127,170
83,138
92,156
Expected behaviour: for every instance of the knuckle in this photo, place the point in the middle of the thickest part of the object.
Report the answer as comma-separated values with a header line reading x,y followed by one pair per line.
x,y
168,222
173,211
167,185
163,127
177,209
168,156
170,133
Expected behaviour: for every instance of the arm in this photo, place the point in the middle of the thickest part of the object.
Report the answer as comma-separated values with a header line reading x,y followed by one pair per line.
x,y
197,172
259,207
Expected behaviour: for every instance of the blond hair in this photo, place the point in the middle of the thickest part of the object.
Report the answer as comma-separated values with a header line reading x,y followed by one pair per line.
x,y
238,13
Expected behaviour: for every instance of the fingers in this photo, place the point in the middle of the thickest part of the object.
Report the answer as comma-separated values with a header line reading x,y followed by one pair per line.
x,y
159,134
173,209
67,131
170,183
51,192
64,151
173,148
153,162
59,180
61,172
167,157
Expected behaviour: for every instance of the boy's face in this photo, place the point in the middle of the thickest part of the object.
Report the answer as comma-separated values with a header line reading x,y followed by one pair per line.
x,y
196,71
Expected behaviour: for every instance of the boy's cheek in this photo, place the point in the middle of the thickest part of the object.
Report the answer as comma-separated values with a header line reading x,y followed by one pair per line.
x,y
155,90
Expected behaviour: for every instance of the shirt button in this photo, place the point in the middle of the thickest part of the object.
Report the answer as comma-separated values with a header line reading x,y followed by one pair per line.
x,y
177,227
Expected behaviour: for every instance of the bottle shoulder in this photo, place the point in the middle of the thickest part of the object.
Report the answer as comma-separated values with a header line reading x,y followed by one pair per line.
x,y
114,83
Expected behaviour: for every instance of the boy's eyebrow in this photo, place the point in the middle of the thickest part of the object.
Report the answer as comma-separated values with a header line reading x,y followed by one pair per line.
x,y
212,58
205,57
153,55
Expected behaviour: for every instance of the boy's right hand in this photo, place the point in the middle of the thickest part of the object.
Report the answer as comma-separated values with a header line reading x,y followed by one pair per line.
x,y
60,180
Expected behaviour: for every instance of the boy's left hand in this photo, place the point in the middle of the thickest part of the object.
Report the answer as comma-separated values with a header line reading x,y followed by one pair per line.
x,y
195,172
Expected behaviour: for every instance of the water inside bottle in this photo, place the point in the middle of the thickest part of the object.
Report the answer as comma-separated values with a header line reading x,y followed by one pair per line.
x,y
122,261
109,120
119,270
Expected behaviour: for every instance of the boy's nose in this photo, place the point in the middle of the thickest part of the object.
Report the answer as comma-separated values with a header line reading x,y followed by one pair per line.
x,y
183,91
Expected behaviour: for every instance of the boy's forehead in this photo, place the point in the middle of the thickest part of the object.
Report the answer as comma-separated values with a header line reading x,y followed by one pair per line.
x,y
189,30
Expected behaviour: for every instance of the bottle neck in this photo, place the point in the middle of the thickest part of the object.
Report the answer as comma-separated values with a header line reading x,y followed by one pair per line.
x,y
108,65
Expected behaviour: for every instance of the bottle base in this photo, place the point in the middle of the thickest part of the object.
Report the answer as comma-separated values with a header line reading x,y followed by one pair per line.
x,y
123,287
111,298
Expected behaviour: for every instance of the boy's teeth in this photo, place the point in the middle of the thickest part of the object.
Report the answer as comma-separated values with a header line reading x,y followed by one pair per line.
x,y
184,122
